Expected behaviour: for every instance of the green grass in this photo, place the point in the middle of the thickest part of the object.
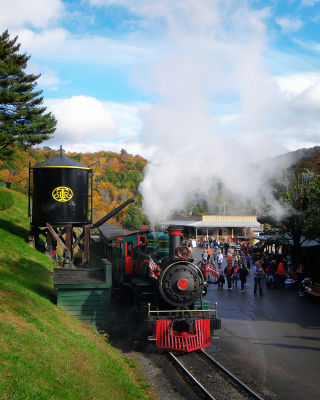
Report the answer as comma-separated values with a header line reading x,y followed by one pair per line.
x,y
6,199
44,352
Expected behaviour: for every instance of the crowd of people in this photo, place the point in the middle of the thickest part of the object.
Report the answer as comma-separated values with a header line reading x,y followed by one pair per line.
x,y
226,265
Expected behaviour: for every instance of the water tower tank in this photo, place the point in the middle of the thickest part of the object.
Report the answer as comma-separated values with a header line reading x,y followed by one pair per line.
x,y
60,192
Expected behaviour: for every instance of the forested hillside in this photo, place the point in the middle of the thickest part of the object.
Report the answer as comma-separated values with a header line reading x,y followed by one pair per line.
x,y
304,158
116,179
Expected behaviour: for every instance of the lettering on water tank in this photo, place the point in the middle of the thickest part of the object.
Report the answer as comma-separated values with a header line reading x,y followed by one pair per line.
x,y
62,193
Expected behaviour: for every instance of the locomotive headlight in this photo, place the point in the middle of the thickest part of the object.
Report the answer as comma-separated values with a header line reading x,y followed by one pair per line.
x,y
183,284
182,252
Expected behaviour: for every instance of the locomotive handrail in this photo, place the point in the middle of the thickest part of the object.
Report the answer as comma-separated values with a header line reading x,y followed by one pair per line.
x,y
215,310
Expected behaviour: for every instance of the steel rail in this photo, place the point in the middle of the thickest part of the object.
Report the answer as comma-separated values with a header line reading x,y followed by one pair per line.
x,y
234,378
209,396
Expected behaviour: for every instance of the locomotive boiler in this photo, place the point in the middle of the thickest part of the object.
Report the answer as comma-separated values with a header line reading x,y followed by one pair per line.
x,y
168,287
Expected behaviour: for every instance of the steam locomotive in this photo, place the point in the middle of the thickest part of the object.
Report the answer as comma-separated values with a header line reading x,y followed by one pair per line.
x,y
167,285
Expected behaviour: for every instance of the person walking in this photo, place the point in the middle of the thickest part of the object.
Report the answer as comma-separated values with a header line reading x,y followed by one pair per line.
x,y
204,256
243,272
280,274
229,257
249,261
300,277
235,277
257,276
209,252
226,247
220,258
205,271
228,271
221,279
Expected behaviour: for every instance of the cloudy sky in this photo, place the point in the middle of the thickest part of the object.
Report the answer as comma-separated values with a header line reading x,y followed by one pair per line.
x,y
104,63
177,81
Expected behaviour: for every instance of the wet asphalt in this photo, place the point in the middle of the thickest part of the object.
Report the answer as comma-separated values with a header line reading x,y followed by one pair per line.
x,y
271,342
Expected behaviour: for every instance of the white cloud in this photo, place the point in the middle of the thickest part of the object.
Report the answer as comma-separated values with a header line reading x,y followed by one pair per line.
x,y
289,24
294,84
131,147
309,45
82,119
127,117
42,44
59,45
48,77
103,51
309,100
36,13
86,124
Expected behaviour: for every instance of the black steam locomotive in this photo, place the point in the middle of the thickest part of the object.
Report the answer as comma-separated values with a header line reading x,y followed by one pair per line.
x,y
167,286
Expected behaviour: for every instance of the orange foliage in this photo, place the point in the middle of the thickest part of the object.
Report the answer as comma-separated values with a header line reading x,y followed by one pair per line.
x,y
106,195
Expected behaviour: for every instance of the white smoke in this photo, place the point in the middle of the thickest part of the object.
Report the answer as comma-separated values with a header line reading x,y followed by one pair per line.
x,y
212,50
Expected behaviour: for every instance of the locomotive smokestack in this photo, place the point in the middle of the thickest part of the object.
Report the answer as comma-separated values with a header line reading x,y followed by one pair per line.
x,y
174,240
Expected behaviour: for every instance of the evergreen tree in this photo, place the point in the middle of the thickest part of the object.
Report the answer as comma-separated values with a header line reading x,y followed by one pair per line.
x,y
23,118
134,217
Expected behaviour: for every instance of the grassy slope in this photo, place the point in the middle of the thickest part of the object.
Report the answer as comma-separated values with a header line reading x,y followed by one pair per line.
x,y
45,353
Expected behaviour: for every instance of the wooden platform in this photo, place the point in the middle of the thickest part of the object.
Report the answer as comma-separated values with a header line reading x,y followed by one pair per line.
x,y
85,294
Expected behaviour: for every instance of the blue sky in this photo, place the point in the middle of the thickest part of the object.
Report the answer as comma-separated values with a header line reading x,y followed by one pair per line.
x,y
112,68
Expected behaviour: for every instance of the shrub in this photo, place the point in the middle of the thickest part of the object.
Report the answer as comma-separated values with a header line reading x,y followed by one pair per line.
x,y
6,199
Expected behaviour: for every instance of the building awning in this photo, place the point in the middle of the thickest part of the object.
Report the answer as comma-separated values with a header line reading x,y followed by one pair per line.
x,y
303,241
213,224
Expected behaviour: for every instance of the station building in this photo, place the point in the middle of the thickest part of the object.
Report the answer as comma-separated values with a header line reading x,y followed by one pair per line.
x,y
221,227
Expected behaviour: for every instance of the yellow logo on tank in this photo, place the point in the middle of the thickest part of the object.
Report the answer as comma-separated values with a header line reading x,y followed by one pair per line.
x,y
62,193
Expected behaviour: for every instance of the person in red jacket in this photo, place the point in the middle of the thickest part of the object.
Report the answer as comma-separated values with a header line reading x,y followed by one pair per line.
x,y
228,271
281,274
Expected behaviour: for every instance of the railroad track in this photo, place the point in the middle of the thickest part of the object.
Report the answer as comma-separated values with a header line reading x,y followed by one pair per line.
x,y
212,380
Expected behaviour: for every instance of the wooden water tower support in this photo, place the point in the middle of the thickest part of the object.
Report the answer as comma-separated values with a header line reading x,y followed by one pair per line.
x,y
68,239
71,240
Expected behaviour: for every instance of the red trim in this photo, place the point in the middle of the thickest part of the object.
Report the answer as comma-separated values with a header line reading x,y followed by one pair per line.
x,y
183,341
183,284
140,241
175,232
128,260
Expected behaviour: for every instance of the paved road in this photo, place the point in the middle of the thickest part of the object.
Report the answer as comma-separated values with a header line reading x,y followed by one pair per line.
x,y
274,340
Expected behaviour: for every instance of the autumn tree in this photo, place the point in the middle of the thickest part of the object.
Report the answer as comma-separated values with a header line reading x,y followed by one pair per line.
x,y
23,118
311,228
298,192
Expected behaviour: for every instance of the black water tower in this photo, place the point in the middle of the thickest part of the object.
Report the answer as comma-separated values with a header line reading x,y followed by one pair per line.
x,y
60,192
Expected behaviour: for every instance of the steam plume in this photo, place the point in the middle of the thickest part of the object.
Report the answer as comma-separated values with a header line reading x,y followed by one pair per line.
x,y
212,55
